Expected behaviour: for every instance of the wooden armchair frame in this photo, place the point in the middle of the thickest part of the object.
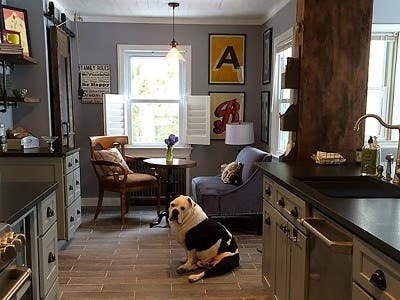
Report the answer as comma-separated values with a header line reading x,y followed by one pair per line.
x,y
119,183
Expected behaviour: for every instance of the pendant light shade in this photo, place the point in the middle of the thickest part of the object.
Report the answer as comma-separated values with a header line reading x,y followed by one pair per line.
x,y
174,52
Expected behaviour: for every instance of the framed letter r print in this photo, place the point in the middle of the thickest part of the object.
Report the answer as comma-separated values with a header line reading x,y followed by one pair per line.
x,y
226,58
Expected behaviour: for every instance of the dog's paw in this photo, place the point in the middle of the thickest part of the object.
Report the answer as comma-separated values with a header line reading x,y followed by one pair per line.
x,y
196,277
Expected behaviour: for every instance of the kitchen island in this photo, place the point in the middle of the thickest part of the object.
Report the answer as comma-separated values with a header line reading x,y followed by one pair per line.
x,y
369,223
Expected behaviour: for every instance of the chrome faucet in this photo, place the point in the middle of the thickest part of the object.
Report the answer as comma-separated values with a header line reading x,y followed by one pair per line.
x,y
396,179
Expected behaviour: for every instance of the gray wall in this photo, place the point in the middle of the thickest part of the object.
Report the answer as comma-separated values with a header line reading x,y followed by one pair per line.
x,y
280,22
386,11
97,44
35,117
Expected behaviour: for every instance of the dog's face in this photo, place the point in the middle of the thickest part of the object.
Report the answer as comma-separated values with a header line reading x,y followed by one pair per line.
x,y
180,208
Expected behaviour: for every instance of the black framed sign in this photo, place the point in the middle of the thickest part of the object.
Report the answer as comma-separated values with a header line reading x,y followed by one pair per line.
x,y
265,112
267,56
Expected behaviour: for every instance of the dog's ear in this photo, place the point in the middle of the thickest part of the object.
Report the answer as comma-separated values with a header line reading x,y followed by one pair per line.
x,y
191,202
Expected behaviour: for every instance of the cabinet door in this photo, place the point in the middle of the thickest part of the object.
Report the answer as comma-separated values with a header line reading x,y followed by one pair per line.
x,y
358,293
297,272
282,261
77,183
48,261
268,267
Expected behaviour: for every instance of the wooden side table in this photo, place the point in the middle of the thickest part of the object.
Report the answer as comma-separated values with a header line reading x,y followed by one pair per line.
x,y
161,163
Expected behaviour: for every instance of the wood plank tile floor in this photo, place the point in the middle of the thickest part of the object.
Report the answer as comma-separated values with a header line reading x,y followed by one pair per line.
x,y
106,260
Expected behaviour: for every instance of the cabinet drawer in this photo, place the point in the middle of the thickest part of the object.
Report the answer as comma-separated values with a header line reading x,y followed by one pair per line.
x,y
69,188
358,293
77,183
269,191
48,260
78,212
368,261
53,293
290,206
75,160
47,213
68,164
71,220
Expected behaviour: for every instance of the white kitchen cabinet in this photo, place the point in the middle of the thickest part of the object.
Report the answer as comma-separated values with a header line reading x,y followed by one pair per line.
x,y
46,167
284,248
377,274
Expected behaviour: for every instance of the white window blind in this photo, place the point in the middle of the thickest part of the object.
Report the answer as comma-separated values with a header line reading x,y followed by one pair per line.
x,y
114,111
198,120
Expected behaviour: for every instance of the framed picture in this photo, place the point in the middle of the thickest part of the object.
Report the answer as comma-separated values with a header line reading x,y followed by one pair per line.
x,y
267,56
226,58
16,19
95,81
265,111
225,108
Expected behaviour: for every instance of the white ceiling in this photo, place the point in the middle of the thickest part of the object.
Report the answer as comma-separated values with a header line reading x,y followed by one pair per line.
x,y
250,12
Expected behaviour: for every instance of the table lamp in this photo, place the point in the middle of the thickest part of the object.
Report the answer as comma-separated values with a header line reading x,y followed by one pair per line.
x,y
240,133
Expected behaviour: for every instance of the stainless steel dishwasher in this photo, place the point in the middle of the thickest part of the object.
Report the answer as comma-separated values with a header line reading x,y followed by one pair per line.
x,y
330,258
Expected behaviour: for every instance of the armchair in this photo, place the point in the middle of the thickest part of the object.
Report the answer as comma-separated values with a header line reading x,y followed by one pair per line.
x,y
221,199
120,180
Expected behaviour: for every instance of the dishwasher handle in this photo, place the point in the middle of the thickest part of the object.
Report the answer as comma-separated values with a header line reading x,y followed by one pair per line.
x,y
321,229
23,276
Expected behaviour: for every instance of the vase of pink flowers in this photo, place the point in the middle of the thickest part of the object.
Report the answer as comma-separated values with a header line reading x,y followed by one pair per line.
x,y
170,142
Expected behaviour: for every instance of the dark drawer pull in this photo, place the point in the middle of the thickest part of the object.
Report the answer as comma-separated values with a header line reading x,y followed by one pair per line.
x,y
378,280
267,221
281,202
69,164
71,188
77,182
51,258
268,191
294,212
50,212
71,219
76,160
78,212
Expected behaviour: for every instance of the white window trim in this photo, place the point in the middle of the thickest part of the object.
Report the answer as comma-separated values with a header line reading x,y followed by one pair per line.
x,y
394,91
123,84
279,40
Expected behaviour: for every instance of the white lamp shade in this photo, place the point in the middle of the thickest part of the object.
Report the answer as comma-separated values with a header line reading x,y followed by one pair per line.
x,y
174,54
239,133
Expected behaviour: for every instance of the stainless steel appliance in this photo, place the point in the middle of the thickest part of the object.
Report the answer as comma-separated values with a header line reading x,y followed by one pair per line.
x,y
330,259
15,276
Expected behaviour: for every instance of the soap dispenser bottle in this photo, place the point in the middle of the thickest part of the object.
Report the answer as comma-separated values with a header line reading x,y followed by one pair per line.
x,y
369,157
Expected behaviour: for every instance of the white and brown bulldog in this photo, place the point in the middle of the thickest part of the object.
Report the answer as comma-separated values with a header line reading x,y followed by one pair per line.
x,y
208,243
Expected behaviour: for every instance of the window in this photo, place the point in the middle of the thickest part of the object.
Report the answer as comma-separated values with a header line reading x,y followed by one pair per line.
x,y
155,90
281,98
383,84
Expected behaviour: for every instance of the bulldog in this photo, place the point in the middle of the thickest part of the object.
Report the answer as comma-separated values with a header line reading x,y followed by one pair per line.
x,y
209,245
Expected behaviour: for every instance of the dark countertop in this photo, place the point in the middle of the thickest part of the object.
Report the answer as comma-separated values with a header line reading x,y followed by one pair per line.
x,y
39,152
374,220
17,198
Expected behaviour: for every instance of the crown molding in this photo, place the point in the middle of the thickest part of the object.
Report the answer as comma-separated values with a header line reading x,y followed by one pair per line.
x,y
198,21
274,11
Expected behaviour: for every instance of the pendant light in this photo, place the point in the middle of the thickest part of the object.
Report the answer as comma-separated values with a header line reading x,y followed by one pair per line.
x,y
174,52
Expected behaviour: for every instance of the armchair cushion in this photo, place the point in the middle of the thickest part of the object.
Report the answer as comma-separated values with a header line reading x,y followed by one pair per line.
x,y
112,155
132,179
232,173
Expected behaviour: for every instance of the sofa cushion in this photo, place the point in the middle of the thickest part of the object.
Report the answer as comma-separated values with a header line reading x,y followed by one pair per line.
x,y
248,156
211,185
232,173
112,155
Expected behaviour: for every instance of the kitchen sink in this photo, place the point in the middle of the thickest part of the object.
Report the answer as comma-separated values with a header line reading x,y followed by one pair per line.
x,y
352,187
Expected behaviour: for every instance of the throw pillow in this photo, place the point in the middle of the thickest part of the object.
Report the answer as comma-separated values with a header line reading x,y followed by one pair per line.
x,y
112,155
232,173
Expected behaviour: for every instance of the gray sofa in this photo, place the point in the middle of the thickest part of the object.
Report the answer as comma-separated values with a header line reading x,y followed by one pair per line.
x,y
221,199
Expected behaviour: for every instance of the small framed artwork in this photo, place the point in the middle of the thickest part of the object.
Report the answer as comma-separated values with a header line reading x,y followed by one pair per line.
x,y
265,111
225,108
227,58
267,56
16,19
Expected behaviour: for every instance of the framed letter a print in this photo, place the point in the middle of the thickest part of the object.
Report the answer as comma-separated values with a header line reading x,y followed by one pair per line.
x,y
226,58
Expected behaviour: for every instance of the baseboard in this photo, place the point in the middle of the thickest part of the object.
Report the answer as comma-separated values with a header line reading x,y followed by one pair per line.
x,y
107,201
115,201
